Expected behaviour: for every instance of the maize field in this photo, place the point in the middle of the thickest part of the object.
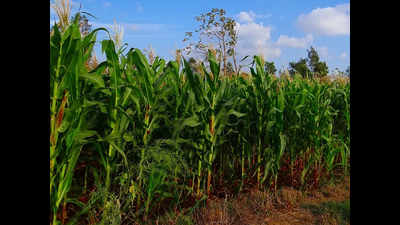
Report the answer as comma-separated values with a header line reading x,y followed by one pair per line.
x,y
130,138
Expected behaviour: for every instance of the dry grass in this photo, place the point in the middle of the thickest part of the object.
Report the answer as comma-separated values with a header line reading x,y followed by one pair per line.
x,y
337,193
291,196
219,211
284,208
287,207
295,216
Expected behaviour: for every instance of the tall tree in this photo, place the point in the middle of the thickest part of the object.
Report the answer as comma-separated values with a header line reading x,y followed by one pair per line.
x,y
215,30
229,69
316,67
270,67
321,69
313,58
348,71
299,67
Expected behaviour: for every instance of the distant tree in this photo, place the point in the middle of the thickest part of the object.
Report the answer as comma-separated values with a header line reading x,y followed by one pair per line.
x,y
313,58
321,69
229,69
270,67
318,68
338,72
299,67
348,71
218,30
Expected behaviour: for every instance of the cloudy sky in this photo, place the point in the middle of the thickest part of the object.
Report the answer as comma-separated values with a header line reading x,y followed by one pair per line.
x,y
281,30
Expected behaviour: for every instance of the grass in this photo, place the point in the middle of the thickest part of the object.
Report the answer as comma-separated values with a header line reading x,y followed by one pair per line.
x,y
340,211
288,206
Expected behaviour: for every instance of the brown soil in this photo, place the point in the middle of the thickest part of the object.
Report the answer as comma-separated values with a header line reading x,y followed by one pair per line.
x,y
284,207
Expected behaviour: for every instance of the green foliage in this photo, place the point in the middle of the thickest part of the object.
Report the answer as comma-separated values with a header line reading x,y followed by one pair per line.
x,y
215,30
318,68
161,133
310,67
313,59
321,69
69,124
270,67
300,67
339,210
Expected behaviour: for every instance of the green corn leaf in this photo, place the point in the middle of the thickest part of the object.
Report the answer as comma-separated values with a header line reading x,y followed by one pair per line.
x,y
93,78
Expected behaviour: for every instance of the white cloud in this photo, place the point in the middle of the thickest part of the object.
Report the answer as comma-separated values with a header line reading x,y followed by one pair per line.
x,y
326,21
248,17
343,56
293,42
255,39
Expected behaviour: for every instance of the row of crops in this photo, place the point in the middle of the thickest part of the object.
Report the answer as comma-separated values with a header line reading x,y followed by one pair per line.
x,y
130,138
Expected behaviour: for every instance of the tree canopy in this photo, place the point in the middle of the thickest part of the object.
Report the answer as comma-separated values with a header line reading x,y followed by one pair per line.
x,y
310,66
217,30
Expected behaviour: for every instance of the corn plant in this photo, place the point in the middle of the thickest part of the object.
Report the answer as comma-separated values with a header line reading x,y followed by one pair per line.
x,y
68,122
213,95
259,109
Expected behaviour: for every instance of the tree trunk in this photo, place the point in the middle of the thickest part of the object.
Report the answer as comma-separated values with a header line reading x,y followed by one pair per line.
x,y
224,55
234,62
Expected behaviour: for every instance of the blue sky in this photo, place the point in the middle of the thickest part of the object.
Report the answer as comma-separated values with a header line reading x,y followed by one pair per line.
x,y
281,30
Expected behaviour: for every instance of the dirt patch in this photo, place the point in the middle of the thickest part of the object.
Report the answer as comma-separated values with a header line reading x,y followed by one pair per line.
x,y
218,211
336,193
288,206
294,216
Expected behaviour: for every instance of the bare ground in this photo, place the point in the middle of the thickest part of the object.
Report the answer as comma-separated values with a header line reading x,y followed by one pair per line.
x,y
287,206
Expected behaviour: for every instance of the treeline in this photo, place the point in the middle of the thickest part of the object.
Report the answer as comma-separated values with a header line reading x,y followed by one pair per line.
x,y
306,67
